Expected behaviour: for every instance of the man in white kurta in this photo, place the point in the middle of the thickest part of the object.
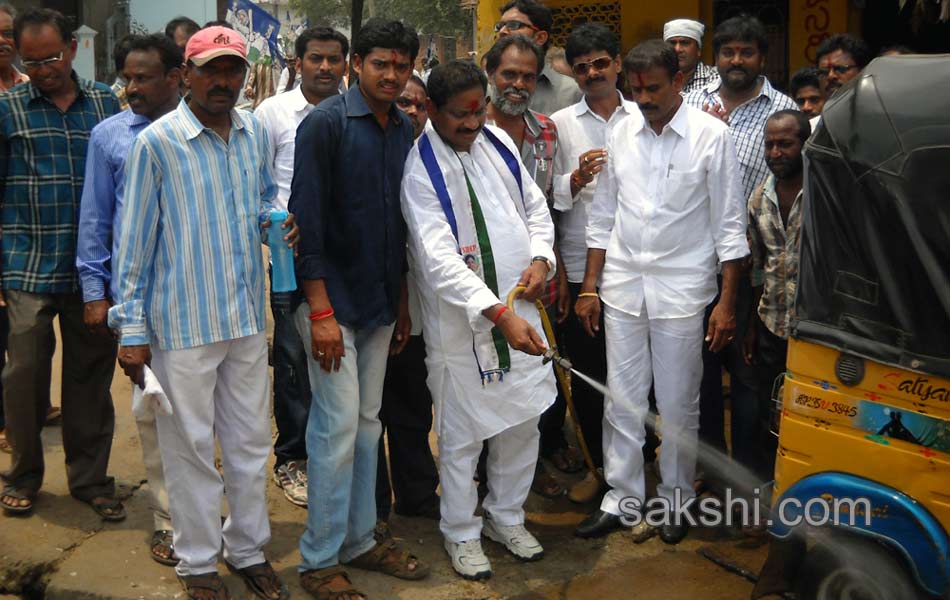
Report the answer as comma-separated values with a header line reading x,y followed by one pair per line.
x,y
460,184
661,217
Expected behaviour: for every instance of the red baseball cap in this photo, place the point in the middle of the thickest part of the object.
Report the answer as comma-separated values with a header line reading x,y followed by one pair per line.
x,y
213,42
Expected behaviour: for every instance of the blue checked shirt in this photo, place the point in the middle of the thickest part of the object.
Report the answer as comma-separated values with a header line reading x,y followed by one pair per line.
x,y
188,266
101,199
747,124
42,163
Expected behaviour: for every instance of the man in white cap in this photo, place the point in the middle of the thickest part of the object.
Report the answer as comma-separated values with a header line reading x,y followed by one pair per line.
x,y
686,37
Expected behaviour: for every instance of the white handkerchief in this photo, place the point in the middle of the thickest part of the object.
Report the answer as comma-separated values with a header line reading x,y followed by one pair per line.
x,y
150,400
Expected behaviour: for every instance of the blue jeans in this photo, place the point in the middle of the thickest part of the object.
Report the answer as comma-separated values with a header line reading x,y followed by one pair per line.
x,y
291,383
342,439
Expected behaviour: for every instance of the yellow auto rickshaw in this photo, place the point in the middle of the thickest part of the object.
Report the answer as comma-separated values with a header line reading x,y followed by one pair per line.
x,y
861,499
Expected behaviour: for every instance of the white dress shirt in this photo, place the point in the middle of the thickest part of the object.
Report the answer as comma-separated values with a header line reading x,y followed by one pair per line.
x,y
669,206
280,115
579,130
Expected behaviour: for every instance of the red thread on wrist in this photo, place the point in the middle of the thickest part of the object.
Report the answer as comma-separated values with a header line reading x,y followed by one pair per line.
x,y
323,314
498,314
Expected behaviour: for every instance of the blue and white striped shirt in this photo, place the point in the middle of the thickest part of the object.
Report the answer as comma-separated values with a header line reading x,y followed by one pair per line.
x,y
101,199
188,267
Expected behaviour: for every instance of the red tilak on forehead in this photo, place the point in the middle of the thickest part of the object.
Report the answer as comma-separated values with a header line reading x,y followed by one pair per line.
x,y
639,77
473,106
392,56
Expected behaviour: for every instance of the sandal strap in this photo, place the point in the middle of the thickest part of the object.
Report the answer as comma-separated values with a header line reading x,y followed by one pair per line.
x,y
208,581
312,581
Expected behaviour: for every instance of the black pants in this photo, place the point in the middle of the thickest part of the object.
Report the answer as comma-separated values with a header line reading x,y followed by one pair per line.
x,y
743,389
406,415
589,356
771,353
291,380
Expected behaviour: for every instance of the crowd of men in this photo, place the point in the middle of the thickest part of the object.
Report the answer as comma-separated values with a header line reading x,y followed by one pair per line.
x,y
660,231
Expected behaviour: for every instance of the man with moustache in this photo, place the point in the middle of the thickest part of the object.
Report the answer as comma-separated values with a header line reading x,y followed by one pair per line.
x,y
686,37
661,219
535,20
775,219
744,99
593,52
44,132
152,70
348,164
840,59
465,194
513,65
406,411
321,60
190,303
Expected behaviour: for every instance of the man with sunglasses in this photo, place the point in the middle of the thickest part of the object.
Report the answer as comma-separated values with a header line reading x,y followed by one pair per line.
x,y
593,52
44,131
535,20
840,59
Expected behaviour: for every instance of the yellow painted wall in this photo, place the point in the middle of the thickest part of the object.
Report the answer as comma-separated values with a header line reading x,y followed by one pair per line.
x,y
809,22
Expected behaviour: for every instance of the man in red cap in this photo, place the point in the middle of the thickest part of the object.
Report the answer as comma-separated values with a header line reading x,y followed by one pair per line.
x,y
190,303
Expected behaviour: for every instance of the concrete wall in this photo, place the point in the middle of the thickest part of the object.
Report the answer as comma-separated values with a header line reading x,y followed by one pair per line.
x,y
152,15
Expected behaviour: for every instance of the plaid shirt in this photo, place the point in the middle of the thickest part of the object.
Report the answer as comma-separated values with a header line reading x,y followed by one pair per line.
x,y
42,168
704,76
774,255
747,124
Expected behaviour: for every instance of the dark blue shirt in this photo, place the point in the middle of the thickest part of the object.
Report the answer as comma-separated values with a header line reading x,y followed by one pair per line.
x,y
345,195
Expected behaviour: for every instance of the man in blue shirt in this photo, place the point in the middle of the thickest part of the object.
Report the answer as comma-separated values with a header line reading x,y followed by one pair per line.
x,y
348,166
44,129
152,70
190,294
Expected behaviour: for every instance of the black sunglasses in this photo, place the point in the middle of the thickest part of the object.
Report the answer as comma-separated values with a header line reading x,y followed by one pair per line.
x,y
600,64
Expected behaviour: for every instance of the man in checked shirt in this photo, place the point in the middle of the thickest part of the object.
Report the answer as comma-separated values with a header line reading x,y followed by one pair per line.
x,y
743,98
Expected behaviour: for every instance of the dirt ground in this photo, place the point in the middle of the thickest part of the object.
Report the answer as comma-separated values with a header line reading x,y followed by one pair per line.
x,y
64,551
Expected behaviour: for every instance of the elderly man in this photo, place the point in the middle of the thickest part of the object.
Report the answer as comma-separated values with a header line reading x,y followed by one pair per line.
x,y
44,131
660,219
466,194
686,37
190,302
535,20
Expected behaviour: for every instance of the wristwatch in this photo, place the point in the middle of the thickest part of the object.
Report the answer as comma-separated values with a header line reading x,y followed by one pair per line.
x,y
543,259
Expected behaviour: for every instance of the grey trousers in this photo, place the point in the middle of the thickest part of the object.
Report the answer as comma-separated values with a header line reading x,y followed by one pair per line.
x,y
88,413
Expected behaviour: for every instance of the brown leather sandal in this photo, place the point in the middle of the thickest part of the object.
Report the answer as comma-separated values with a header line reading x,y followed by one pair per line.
x,y
208,586
255,574
331,583
386,557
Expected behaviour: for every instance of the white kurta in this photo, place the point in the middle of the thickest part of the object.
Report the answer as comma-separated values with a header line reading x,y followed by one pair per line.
x,y
453,297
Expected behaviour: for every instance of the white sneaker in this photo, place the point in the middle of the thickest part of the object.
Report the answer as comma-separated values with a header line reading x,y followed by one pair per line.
x,y
516,539
292,478
468,560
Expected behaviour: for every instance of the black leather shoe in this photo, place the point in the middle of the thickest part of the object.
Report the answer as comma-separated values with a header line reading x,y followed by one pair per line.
x,y
598,524
671,533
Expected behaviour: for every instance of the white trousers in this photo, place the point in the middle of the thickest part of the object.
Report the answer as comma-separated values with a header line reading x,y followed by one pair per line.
x,y
152,459
512,455
668,354
217,389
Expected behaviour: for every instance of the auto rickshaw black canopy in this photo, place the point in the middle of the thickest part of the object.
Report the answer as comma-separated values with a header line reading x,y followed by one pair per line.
x,y
875,257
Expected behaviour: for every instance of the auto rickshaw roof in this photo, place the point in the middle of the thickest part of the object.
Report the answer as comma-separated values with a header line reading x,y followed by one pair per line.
x,y
875,257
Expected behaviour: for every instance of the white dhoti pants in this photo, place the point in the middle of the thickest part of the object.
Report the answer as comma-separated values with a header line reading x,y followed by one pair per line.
x,y
667,353
152,459
512,455
217,389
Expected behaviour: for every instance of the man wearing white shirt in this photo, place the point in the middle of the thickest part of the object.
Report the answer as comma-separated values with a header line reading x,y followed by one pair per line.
x,y
321,61
658,224
478,226
593,52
